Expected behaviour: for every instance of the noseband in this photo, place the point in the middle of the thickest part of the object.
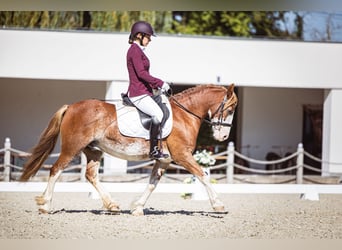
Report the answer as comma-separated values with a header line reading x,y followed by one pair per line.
x,y
220,110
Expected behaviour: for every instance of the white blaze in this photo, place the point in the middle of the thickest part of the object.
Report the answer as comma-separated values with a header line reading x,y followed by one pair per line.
x,y
221,133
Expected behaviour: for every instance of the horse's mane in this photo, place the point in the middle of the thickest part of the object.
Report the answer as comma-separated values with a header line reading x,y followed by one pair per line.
x,y
190,91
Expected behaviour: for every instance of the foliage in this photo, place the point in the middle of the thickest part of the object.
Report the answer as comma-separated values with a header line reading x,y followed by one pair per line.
x,y
276,25
216,23
41,19
120,21
242,24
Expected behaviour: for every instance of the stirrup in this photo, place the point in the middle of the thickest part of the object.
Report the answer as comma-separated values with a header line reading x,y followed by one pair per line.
x,y
157,154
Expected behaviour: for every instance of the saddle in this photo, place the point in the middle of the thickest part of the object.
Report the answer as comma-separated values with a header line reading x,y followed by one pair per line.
x,y
145,119
134,123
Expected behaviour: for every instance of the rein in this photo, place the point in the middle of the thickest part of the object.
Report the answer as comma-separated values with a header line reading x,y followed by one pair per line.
x,y
208,121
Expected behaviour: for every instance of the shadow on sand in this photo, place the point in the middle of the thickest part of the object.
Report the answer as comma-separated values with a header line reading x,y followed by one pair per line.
x,y
147,211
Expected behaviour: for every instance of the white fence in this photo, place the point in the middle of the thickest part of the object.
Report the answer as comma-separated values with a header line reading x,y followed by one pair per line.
x,y
295,163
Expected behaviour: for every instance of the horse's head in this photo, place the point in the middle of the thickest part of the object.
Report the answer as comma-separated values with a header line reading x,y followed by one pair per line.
x,y
221,119
216,101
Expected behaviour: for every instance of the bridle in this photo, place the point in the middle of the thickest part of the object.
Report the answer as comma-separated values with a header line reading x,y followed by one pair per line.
x,y
220,109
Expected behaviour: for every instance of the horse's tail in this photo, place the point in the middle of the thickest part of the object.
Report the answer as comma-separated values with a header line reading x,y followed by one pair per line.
x,y
45,145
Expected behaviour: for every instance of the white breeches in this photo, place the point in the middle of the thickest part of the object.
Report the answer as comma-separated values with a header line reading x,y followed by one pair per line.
x,y
147,105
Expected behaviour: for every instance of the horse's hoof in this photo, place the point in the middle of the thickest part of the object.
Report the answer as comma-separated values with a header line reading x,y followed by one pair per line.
x,y
40,200
218,206
138,211
42,211
43,204
114,208
219,209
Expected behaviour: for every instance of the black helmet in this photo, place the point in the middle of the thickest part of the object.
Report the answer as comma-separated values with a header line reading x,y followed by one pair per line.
x,y
142,27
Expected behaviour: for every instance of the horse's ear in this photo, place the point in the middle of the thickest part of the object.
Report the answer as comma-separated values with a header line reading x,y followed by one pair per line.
x,y
231,89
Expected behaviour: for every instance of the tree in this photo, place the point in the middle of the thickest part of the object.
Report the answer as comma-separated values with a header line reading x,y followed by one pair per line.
x,y
242,24
41,19
120,21
276,25
217,23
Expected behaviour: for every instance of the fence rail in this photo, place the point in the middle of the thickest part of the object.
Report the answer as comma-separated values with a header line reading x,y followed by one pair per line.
x,y
295,162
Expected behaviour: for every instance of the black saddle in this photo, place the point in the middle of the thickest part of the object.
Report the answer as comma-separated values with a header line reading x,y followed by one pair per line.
x,y
145,119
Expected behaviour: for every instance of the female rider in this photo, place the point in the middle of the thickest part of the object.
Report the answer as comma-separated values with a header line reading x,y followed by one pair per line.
x,y
141,83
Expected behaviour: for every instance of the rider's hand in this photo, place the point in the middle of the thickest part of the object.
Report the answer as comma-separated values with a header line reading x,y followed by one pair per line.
x,y
165,86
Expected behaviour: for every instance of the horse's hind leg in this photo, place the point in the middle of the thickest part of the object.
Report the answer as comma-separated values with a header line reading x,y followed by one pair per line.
x,y
92,175
157,172
44,200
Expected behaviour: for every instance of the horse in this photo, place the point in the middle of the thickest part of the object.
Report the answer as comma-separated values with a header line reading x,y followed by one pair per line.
x,y
90,126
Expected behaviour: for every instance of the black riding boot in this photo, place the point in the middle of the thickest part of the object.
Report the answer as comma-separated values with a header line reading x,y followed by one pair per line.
x,y
155,152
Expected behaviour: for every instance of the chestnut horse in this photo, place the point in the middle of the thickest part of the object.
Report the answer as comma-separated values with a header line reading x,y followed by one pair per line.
x,y
91,126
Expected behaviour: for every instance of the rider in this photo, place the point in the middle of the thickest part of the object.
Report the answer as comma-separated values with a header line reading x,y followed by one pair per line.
x,y
141,83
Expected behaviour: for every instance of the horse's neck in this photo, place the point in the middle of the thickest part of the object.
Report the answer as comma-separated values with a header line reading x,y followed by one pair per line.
x,y
199,103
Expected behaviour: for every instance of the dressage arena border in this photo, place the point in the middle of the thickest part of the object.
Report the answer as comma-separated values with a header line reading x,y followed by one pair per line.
x,y
306,191
293,162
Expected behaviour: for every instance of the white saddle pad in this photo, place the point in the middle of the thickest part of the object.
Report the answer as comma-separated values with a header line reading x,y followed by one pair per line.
x,y
130,125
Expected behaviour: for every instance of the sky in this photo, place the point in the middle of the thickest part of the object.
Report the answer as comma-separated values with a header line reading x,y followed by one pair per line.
x,y
318,23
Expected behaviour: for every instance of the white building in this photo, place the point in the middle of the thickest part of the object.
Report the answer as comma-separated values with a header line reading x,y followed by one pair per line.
x,y
276,80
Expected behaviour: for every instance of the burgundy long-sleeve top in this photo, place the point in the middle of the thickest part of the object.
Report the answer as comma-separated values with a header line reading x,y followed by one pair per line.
x,y
140,80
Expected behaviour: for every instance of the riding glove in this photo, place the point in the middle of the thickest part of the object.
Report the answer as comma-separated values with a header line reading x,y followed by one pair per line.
x,y
165,86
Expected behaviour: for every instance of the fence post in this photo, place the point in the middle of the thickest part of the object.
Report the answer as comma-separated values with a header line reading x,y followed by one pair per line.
x,y
300,164
7,160
83,167
230,163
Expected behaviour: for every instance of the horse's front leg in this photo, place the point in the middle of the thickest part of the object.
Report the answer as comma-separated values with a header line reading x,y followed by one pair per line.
x,y
192,166
157,172
216,203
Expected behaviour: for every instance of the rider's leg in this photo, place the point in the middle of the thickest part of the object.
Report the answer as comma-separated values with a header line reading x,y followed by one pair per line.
x,y
147,105
155,131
